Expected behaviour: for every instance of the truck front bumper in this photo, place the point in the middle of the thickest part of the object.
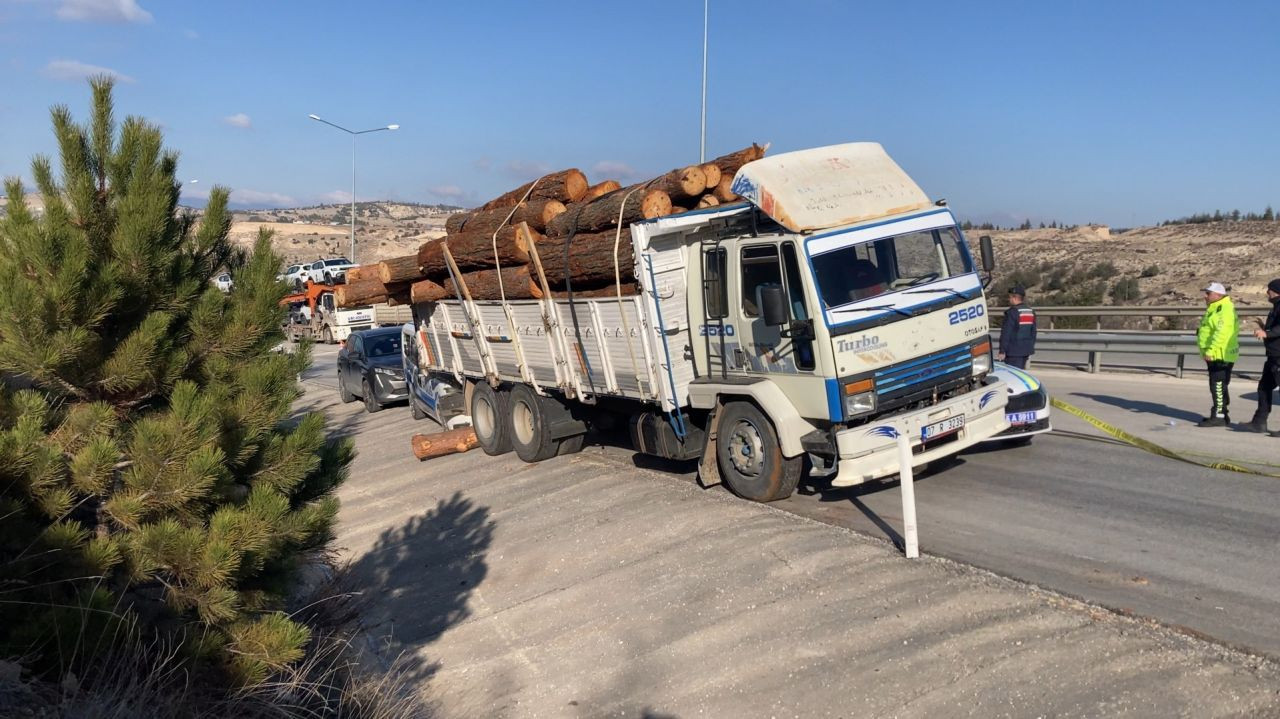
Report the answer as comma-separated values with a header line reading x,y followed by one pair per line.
x,y
870,452
342,332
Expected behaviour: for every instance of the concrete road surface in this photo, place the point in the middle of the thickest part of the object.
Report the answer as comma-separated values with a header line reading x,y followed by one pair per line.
x,y
589,586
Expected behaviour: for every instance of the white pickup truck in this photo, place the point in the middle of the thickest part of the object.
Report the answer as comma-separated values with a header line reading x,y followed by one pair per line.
x,y
328,271
835,309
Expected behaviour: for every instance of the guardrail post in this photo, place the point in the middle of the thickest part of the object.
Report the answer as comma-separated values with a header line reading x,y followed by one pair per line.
x,y
910,539
1182,363
1095,361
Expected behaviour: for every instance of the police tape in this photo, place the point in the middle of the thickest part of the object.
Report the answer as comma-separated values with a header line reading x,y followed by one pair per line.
x,y
1154,448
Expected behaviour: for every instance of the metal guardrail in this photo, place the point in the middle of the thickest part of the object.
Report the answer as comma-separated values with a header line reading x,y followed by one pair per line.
x,y
1180,344
1148,311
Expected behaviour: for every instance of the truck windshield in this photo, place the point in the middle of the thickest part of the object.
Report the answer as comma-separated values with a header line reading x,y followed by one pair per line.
x,y
338,261
868,269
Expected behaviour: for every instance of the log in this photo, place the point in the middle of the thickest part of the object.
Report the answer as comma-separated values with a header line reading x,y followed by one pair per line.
x,y
681,183
677,209
427,446
398,269
730,164
566,186
711,172
601,188
707,200
590,259
473,251
361,272
483,284
602,213
723,192
537,213
360,292
427,291
628,289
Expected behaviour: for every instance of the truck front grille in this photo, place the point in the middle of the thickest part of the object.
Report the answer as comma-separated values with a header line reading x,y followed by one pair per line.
x,y
909,378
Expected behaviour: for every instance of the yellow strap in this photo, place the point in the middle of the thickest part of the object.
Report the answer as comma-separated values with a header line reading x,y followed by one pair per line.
x,y
1152,447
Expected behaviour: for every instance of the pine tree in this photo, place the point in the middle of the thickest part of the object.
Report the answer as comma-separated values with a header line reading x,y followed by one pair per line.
x,y
150,475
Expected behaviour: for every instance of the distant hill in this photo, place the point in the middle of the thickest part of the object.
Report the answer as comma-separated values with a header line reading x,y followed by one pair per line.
x,y
383,229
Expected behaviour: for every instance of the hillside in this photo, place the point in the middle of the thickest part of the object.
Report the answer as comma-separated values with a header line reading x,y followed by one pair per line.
x,y
1075,266
383,229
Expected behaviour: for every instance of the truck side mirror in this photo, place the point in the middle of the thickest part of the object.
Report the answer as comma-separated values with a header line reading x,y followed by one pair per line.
x,y
773,305
988,254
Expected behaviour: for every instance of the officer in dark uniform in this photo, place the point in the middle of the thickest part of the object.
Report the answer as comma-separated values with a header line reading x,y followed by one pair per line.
x,y
1018,332
1269,333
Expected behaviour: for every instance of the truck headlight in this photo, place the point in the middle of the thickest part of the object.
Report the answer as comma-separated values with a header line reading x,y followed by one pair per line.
x,y
859,398
981,353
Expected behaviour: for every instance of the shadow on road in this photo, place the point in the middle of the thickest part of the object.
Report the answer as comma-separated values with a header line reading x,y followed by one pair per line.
x,y
1142,406
822,489
420,576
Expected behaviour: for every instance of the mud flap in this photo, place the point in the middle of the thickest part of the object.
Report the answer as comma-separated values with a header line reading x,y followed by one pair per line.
x,y
709,467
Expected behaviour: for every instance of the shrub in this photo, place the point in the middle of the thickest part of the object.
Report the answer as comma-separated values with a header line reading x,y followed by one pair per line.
x,y
1126,290
1150,271
1103,271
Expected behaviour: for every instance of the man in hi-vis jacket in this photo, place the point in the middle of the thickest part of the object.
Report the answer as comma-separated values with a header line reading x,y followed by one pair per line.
x,y
1219,341
1018,331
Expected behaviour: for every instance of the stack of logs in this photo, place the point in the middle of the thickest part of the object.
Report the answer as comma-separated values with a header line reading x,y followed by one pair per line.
x,y
571,225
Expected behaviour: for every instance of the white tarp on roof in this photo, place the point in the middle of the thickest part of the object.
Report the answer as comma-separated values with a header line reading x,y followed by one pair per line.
x,y
829,186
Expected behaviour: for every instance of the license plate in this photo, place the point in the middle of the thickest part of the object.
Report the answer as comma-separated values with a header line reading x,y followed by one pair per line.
x,y
1021,417
938,429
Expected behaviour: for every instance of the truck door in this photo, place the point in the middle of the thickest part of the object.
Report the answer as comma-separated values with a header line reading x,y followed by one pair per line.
x,y
759,347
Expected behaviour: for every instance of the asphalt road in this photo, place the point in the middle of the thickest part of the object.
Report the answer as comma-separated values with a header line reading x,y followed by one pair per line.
x,y
1083,515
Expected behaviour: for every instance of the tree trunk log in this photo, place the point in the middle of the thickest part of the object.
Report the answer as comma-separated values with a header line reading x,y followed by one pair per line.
x,y
628,289
398,269
483,284
537,213
711,173
360,292
722,191
730,164
681,183
677,209
565,186
426,291
473,251
602,188
707,200
427,446
590,259
602,213
361,272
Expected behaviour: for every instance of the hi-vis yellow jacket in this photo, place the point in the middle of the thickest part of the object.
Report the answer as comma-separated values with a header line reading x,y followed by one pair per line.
x,y
1219,335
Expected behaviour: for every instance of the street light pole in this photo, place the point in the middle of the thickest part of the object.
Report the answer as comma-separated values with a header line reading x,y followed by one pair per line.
x,y
702,142
353,134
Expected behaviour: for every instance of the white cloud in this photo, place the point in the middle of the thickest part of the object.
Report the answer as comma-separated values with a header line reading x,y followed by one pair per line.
x,y
527,170
254,197
239,119
452,193
102,11
336,197
614,170
74,70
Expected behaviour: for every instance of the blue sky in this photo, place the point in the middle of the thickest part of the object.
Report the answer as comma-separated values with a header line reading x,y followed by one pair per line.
x,y
1117,112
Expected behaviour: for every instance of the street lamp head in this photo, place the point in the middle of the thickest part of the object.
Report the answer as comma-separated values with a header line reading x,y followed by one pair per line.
x,y
314,116
393,127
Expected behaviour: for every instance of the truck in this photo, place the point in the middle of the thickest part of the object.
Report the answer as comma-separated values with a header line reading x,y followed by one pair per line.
x,y
832,311
314,315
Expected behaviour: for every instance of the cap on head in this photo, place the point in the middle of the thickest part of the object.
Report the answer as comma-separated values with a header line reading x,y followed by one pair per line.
x,y
1274,285
1216,287
1018,290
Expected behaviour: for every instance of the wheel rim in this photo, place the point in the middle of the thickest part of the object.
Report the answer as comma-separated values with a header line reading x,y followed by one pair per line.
x,y
484,418
522,422
746,449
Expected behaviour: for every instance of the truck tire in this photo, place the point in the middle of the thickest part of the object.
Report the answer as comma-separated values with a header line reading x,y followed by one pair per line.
x,y
415,410
530,436
489,412
571,445
326,335
750,457
343,393
370,398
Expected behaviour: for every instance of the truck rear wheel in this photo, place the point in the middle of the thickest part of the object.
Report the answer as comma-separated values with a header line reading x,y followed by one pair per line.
x,y
530,435
489,412
750,457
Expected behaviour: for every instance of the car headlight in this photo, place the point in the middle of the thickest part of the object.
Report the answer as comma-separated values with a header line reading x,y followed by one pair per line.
x,y
859,398
981,353
387,371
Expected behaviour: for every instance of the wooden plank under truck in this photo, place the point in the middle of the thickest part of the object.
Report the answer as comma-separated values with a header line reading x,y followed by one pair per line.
x,y
834,309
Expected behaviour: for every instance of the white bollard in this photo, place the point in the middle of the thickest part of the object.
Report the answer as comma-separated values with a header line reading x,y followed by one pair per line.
x,y
911,542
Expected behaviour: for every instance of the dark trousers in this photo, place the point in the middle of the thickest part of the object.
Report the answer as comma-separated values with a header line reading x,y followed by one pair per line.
x,y
1219,380
1266,385
1019,362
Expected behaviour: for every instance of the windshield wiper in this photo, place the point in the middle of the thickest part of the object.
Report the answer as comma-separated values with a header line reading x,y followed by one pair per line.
x,y
899,310
929,290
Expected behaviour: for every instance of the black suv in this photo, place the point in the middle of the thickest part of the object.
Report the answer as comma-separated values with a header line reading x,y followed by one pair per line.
x,y
370,367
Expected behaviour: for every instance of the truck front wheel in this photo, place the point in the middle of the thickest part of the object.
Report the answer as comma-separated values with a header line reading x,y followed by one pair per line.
x,y
750,457
489,411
